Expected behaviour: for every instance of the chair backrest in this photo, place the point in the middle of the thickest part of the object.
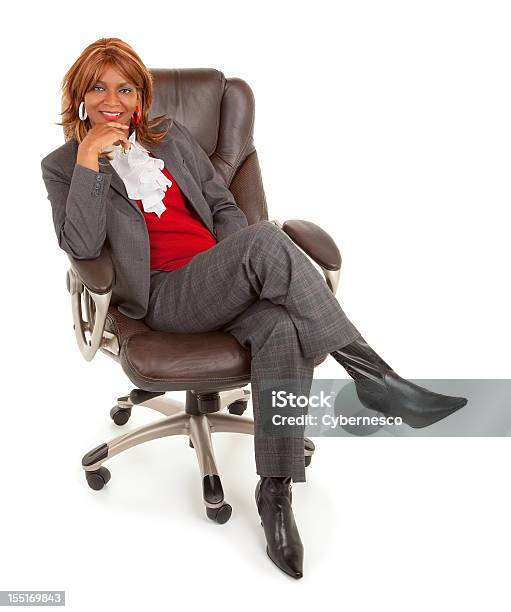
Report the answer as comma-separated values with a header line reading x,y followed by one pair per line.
x,y
219,113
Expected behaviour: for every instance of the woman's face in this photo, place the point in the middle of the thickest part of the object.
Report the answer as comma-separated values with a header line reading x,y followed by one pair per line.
x,y
111,93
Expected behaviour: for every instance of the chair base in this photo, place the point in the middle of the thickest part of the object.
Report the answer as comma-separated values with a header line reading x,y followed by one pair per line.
x,y
198,418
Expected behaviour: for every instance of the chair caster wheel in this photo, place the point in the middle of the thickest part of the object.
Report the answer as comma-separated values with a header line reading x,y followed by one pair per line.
x,y
220,515
308,460
238,407
97,479
120,416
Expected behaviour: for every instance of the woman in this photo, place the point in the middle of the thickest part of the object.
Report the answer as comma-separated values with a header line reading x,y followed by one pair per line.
x,y
187,261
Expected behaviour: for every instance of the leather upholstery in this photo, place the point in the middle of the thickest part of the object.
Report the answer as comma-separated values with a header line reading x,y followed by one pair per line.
x,y
315,242
210,361
96,274
163,361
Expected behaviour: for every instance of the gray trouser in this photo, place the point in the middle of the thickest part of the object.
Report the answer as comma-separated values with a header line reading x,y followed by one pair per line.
x,y
257,285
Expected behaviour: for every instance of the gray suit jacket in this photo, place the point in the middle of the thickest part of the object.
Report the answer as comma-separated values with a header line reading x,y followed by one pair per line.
x,y
88,207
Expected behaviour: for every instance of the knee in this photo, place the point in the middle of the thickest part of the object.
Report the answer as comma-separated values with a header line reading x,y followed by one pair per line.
x,y
268,224
265,228
265,232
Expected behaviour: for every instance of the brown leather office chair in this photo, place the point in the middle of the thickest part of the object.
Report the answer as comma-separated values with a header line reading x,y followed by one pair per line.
x,y
219,112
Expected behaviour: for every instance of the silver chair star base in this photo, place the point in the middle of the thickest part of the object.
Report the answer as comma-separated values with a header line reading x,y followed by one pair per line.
x,y
197,418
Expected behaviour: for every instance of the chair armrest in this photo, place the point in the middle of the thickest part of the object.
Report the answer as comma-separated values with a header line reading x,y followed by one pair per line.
x,y
318,245
90,281
96,274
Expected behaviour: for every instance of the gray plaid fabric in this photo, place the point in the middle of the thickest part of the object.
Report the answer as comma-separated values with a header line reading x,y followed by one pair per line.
x,y
257,285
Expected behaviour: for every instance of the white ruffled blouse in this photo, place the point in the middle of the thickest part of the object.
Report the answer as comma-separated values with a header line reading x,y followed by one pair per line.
x,y
142,175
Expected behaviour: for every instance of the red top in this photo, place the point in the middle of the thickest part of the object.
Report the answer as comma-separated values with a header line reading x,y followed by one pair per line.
x,y
179,234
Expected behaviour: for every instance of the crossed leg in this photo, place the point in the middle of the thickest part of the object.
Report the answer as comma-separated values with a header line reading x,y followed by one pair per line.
x,y
258,285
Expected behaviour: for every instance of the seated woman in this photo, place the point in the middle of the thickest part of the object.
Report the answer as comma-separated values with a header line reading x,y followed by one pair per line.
x,y
187,261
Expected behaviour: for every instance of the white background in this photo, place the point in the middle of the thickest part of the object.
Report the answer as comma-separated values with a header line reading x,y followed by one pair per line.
x,y
388,124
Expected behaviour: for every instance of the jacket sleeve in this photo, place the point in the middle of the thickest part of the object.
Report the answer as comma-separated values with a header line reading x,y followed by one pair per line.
x,y
227,216
78,207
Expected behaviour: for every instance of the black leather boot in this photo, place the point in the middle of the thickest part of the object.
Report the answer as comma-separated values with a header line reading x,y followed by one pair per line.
x,y
380,388
273,498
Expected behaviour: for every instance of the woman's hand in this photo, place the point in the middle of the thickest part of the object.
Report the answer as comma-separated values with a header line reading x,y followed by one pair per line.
x,y
102,136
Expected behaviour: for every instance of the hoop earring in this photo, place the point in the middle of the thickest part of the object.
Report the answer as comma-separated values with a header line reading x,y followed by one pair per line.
x,y
82,113
135,117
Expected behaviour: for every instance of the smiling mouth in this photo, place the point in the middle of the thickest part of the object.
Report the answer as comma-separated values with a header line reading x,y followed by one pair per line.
x,y
110,115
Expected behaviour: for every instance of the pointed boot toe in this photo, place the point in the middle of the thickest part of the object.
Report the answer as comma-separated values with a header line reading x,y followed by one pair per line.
x,y
290,562
417,406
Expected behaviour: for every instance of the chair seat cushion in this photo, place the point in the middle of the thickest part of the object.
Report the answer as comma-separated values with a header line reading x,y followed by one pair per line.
x,y
163,361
